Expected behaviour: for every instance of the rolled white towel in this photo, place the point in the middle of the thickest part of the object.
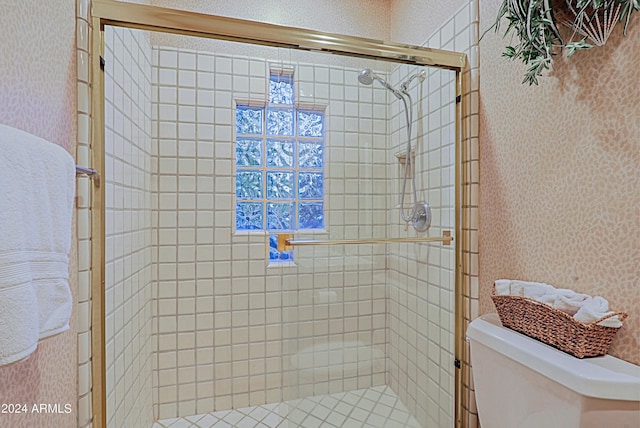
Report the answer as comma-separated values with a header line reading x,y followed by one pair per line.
x,y
503,286
548,298
569,301
595,308
533,290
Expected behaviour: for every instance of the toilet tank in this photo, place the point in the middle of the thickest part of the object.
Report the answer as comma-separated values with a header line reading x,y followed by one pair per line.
x,y
521,382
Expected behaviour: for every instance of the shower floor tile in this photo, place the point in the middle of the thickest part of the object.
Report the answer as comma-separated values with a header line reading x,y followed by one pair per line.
x,y
375,407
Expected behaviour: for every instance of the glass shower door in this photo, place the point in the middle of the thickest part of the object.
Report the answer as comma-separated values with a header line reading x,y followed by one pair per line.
x,y
368,318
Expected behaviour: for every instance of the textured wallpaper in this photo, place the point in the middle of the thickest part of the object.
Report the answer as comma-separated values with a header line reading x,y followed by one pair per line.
x,y
413,20
560,174
38,95
38,68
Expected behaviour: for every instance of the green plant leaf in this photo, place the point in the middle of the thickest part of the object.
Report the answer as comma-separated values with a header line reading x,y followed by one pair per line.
x,y
510,52
574,47
536,39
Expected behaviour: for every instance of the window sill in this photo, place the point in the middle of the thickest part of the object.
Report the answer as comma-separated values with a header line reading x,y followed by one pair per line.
x,y
283,264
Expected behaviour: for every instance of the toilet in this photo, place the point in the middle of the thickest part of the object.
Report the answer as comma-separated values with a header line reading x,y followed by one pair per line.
x,y
521,382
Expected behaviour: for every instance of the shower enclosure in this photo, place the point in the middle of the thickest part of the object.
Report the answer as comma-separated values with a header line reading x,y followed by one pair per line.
x,y
279,231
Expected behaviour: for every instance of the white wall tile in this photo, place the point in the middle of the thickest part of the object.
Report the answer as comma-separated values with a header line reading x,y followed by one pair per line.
x,y
128,103
208,133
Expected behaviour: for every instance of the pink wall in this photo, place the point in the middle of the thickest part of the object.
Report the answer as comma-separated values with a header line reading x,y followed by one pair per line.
x,y
38,95
560,180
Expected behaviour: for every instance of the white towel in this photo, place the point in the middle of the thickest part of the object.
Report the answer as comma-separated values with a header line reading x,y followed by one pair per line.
x,y
595,308
583,307
569,301
503,286
19,330
549,298
534,290
37,186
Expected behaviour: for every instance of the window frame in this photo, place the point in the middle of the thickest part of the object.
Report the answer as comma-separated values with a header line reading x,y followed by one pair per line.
x,y
265,169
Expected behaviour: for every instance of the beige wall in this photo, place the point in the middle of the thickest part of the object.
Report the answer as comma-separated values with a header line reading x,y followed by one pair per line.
x,y
560,180
38,95
401,21
333,16
412,21
358,18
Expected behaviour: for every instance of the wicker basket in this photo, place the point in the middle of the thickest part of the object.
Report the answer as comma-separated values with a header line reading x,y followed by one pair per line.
x,y
554,327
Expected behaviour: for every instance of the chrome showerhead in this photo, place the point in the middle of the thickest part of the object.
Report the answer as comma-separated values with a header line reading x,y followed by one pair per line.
x,y
366,77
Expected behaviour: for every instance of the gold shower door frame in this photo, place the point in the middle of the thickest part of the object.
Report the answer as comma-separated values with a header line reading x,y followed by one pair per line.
x,y
151,18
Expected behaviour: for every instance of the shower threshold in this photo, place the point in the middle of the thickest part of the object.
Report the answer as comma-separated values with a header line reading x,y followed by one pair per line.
x,y
373,407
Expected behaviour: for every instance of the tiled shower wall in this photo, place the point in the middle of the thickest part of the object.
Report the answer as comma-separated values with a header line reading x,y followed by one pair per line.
x,y
277,297
338,320
83,211
127,178
204,283
226,321
421,277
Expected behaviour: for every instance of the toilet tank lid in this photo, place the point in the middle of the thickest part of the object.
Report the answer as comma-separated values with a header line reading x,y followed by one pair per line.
x,y
603,377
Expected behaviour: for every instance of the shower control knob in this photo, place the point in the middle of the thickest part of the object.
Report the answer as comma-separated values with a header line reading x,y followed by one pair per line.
x,y
422,220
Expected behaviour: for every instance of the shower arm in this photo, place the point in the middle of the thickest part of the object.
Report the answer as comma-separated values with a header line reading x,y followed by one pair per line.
x,y
384,83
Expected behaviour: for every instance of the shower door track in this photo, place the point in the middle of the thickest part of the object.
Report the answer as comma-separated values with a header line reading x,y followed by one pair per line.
x,y
153,18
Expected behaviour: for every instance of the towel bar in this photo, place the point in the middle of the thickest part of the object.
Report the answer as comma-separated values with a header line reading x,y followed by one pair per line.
x,y
86,172
286,241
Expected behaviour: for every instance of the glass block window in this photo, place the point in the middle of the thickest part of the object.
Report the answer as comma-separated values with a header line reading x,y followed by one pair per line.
x,y
279,165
